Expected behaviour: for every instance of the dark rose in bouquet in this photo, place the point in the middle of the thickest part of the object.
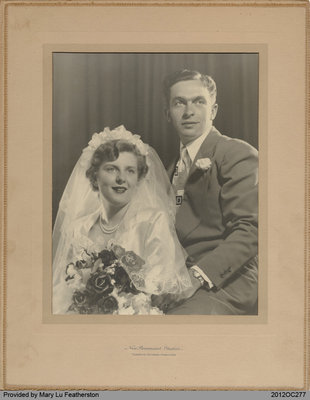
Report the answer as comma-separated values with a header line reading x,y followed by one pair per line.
x,y
100,283
105,282
81,302
80,298
107,305
121,277
107,257
123,281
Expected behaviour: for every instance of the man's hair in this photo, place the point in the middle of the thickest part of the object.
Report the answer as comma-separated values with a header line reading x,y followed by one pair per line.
x,y
188,75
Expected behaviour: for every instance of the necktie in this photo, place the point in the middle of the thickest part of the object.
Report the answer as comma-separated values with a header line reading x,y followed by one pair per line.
x,y
180,175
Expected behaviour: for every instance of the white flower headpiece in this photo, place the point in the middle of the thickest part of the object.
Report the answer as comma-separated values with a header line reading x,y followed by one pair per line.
x,y
106,136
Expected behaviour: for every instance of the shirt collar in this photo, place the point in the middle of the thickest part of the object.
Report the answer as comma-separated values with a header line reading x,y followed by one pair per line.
x,y
194,146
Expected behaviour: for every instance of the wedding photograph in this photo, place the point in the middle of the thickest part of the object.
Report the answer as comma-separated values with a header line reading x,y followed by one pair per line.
x,y
155,183
154,197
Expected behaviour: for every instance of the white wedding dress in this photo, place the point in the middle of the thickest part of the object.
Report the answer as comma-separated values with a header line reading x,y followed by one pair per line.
x,y
146,229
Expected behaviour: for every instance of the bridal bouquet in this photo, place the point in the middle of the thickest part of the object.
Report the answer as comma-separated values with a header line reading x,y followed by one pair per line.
x,y
101,284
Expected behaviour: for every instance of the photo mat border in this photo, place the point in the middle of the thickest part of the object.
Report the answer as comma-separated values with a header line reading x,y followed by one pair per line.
x,y
48,51
3,164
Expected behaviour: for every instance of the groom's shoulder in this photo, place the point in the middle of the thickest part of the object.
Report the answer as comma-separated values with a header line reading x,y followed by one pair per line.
x,y
227,145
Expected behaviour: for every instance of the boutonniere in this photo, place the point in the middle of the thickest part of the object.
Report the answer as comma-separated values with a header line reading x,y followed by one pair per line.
x,y
203,163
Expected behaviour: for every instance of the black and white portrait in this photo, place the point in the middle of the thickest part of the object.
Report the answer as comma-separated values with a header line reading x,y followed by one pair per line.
x,y
155,183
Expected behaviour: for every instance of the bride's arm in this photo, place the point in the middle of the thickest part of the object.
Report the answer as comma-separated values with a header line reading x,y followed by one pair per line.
x,y
165,269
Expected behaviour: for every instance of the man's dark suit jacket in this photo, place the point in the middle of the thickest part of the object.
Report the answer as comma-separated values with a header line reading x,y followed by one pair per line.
x,y
217,223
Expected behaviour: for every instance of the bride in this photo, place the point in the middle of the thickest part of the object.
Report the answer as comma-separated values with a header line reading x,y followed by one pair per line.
x,y
118,195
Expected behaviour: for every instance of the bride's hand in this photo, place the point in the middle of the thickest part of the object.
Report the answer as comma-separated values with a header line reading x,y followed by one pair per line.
x,y
167,301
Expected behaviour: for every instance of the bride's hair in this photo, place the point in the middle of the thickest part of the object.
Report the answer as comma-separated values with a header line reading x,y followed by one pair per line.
x,y
110,151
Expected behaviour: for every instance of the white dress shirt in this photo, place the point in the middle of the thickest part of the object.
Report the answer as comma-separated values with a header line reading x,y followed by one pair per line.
x,y
192,149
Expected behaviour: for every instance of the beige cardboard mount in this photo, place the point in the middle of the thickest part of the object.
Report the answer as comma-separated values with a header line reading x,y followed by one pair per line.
x,y
42,351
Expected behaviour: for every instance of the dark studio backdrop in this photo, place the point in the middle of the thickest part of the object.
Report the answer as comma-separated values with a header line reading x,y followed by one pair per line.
x,y
95,90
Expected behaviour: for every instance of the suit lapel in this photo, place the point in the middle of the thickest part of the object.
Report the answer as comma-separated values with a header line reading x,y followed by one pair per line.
x,y
188,215
207,148
171,168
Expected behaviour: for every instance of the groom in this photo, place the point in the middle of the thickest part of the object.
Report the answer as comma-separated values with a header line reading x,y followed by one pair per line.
x,y
215,181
